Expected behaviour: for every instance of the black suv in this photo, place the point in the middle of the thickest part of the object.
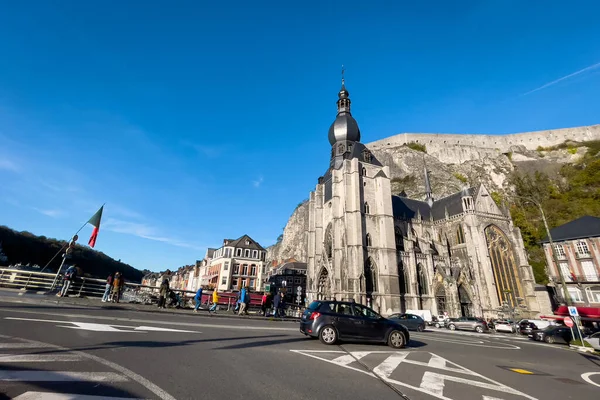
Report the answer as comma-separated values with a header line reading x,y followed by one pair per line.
x,y
331,321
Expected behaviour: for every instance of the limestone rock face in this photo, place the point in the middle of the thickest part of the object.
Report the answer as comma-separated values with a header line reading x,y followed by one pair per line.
x,y
453,162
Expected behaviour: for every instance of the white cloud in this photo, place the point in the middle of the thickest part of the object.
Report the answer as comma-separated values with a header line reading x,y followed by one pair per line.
x,y
258,182
554,82
50,213
144,231
8,165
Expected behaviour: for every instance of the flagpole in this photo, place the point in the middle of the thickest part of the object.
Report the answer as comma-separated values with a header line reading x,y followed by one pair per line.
x,y
64,258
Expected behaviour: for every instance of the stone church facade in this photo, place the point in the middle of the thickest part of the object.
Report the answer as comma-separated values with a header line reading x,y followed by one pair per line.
x,y
459,255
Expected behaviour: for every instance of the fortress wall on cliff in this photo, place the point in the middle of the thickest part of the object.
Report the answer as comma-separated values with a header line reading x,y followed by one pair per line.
x,y
441,142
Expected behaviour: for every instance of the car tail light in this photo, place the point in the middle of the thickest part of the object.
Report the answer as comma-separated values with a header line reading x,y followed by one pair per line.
x,y
315,315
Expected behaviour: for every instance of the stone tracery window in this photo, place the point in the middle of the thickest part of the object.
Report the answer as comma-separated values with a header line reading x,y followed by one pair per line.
x,y
399,239
367,208
324,287
504,267
329,242
368,240
460,235
440,299
370,276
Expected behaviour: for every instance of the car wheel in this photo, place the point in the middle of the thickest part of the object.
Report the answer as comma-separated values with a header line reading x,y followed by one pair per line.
x,y
437,325
420,328
397,340
328,335
452,327
478,329
549,339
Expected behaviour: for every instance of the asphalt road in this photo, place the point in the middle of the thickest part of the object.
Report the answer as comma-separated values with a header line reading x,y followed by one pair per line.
x,y
108,352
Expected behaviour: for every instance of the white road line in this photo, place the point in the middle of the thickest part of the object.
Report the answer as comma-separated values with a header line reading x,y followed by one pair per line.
x,y
160,393
386,368
436,362
159,329
586,377
60,376
490,398
23,345
6,358
64,396
431,383
350,358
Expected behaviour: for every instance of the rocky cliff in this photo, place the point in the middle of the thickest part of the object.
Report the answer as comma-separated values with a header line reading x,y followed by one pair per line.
x,y
463,160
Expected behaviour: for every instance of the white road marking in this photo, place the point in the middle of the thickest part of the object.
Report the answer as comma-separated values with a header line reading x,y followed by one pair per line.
x,y
389,365
159,322
95,327
430,383
433,384
64,396
350,358
490,398
160,393
5,358
60,376
586,377
436,362
466,342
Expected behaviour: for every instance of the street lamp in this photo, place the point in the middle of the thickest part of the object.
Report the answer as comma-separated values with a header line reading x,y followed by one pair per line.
x,y
554,257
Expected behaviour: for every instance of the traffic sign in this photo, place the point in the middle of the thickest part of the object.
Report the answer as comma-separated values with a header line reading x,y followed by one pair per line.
x,y
569,322
299,290
573,311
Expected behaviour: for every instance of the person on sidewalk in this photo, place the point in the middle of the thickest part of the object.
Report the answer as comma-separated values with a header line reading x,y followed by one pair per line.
x,y
215,299
163,292
263,304
198,299
109,282
247,301
115,287
242,301
276,304
70,275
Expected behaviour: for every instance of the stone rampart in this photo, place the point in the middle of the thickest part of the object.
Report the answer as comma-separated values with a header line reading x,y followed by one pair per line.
x,y
441,142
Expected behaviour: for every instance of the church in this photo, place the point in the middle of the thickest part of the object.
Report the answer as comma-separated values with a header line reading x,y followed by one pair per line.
x,y
458,255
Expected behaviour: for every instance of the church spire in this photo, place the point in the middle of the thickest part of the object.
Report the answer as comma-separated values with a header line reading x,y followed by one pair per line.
x,y
343,103
428,193
344,128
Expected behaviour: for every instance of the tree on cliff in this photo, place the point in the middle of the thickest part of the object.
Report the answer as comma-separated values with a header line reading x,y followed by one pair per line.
x,y
573,193
27,248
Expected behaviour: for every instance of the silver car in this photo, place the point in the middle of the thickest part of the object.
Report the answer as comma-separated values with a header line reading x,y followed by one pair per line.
x,y
468,323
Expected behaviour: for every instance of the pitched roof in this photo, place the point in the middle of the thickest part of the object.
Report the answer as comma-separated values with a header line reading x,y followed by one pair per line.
x,y
241,243
580,228
406,208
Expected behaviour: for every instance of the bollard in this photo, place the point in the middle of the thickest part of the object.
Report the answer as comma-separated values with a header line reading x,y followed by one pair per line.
x,y
81,287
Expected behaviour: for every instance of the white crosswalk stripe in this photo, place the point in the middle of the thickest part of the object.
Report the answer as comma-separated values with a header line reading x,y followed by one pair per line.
x,y
60,376
63,396
6,358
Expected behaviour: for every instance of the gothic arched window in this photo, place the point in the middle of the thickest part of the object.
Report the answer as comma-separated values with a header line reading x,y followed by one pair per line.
x,y
367,208
460,235
440,299
399,239
329,242
402,278
363,171
368,240
421,280
504,267
324,285
370,276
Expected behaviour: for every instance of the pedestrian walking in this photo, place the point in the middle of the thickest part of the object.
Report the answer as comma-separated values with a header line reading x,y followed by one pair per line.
x,y
109,282
215,299
242,301
116,288
163,292
276,304
263,304
70,275
198,299
247,301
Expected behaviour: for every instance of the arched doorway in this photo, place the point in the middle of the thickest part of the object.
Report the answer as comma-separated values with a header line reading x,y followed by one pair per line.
x,y
324,285
504,267
465,301
421,285
440,299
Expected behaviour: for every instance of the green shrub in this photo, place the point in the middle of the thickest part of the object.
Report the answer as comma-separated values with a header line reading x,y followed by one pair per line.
x,y
460,177
577,342
417,147
572,150
497,197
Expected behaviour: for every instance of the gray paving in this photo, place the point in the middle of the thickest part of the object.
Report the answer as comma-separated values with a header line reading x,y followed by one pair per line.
x,y
114,352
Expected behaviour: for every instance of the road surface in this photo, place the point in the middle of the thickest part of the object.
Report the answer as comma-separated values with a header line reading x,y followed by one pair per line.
x,y
114,353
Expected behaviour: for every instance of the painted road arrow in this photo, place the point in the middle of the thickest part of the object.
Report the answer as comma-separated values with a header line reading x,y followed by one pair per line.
x,y
88,326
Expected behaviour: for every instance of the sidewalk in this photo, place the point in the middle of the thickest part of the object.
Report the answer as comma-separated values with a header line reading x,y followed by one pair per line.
x,y
32,297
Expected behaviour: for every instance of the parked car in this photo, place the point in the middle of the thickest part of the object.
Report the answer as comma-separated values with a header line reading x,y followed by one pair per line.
x,y
594,340
331,321
468,323
552,334
504,326
526,326
440,321
411,321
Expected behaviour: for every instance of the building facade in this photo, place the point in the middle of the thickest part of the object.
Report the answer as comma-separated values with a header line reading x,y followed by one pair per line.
x,y
289,278
577,249
459,255
238,263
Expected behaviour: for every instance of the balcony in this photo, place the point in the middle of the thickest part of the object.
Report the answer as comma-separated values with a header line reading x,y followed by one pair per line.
x,y
579,278
583,255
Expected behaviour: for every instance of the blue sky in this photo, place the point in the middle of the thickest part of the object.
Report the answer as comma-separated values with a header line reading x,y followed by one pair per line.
x,y
195,121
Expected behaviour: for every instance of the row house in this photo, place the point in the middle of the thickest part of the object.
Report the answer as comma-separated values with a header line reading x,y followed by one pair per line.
x,y
577,249
236,264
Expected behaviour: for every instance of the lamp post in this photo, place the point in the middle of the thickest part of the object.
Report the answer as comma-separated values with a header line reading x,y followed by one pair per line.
x,y
554,257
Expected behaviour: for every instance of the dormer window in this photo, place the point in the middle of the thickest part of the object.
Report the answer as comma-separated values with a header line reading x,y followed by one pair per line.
x,y
247,242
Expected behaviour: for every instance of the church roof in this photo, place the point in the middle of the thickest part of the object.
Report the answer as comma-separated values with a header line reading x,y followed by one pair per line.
x,y
406,208
580,228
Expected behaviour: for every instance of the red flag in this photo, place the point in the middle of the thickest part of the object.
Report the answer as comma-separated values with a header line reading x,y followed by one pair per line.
x,y
95,222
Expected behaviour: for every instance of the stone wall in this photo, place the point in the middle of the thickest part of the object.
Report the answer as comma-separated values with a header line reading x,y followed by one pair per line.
x,y
293,244
450,146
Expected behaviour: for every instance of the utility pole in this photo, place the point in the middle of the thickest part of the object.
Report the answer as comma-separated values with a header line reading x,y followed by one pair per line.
x,y
566,296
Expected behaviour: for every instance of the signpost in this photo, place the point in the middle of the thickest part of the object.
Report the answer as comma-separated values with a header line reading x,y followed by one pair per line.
x,y
298,294
573,311
569,323
574,315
